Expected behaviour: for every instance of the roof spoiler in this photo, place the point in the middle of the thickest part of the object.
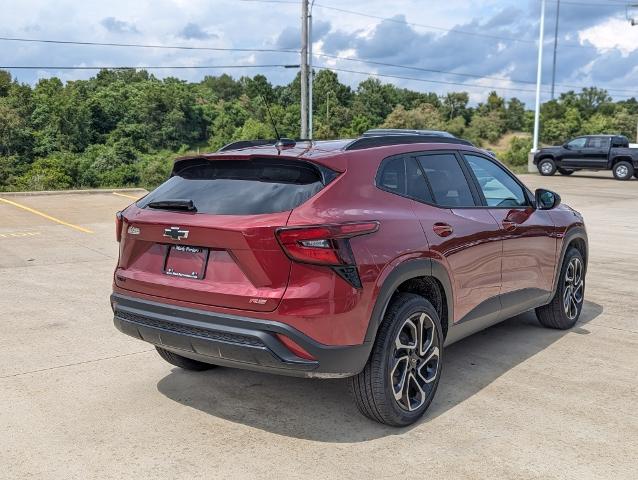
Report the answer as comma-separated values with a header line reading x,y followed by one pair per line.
x,y
246,144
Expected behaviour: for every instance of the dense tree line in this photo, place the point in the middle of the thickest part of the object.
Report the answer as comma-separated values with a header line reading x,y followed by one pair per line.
x,y
122,128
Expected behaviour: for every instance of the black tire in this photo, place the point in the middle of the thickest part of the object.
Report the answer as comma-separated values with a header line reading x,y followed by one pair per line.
x,y
374,388
555,314
547,167
623,170
562,171
183,362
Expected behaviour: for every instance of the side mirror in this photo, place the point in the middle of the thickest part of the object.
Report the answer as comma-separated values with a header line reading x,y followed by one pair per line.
x,y
546,199
566,146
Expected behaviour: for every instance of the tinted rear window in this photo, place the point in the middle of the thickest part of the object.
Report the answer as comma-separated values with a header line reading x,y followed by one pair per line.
x,y
240,187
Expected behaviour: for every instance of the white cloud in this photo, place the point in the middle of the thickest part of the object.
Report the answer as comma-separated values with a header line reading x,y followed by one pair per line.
x,y
613,33
229,23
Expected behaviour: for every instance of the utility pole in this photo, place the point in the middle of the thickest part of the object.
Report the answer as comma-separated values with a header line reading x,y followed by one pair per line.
x,y
539,72
304,69
555,45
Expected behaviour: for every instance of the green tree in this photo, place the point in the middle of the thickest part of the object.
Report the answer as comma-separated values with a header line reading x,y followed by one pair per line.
x,y
425,116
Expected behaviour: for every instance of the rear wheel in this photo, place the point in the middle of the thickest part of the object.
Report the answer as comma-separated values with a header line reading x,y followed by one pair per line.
x,y
564,309
547,167
182,362
562,171
623,170
400,379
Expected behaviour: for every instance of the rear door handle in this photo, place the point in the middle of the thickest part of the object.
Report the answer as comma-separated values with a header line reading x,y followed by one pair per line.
x,y
509,225
443,229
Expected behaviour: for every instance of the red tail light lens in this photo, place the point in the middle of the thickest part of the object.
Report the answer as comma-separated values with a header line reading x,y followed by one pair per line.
x,y
323,244
294,347
119,221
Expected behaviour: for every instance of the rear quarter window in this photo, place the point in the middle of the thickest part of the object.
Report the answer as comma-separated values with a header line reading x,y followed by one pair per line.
x,y
241,187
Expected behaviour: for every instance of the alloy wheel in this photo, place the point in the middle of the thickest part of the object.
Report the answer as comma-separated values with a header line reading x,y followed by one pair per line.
x,y
546,168
415,361
622,171
574,288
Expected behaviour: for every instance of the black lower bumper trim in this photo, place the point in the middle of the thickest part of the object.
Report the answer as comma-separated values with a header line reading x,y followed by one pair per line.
x,y
231,340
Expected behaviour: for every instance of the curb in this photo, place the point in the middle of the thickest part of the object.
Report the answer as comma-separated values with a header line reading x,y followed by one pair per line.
x,y
95,191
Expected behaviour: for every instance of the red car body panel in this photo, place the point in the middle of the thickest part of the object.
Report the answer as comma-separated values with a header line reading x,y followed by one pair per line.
x,y
248,272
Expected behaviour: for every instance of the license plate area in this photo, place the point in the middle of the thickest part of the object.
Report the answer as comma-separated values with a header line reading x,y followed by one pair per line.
x,y
186,262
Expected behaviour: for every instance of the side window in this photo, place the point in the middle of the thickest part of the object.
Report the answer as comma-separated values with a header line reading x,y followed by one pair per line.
x,y
499,188
401,175
599,143
447,180
577,143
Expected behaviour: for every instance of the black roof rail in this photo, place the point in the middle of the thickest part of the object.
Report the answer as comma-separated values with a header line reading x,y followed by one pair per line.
x,y
376,132
246,144
404,139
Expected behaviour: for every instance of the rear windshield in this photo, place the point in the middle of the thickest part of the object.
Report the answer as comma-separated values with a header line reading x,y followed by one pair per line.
x,y
240,187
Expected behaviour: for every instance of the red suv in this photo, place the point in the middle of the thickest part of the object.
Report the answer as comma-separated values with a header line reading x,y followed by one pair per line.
x,y
357,258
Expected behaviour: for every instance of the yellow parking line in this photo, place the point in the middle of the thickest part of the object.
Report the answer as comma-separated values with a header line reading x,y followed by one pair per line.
x,y
125,195
49,217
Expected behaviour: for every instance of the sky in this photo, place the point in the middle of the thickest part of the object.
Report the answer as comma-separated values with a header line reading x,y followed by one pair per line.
x,y
438,45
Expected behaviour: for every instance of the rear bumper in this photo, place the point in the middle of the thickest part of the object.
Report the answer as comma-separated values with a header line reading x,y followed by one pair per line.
x,y
233,341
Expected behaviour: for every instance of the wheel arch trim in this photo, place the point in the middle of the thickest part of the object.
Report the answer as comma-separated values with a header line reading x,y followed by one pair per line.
x,y
406,270
574,233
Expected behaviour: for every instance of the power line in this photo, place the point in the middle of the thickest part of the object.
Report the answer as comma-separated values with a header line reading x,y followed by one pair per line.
x,y
469,75
591,4
318,67
141,45
162,67
437,28
421,25
184,47
467,85
353,59
444,82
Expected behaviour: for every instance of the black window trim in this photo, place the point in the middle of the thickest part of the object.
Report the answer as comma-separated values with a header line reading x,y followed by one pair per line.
x,y
528,194
403,156
475,187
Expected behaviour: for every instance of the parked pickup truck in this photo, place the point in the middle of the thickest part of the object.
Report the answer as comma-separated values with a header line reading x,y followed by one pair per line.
x,y
590,152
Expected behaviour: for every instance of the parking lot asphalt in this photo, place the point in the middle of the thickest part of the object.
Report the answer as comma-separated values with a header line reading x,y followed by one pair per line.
x,y
80,400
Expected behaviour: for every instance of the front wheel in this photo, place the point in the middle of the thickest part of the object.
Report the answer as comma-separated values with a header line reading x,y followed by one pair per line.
x,y
401,376
564,309
623,170
547,167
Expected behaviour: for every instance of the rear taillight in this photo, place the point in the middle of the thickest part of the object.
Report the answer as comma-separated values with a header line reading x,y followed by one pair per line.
x,y
326,245
294,347
119,222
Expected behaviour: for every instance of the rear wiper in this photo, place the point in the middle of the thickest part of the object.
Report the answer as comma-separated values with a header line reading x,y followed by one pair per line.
x,y
176,204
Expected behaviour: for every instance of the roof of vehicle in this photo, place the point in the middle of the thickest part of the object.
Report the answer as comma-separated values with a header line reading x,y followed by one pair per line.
x,y
604,135
331,152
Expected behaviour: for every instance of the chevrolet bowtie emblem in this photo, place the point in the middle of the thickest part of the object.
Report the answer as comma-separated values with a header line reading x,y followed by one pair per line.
x,y
175,233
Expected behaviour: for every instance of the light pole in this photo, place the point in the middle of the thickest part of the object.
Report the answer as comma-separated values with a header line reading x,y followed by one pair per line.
x,y
539,72
304,69
555,46
310,75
